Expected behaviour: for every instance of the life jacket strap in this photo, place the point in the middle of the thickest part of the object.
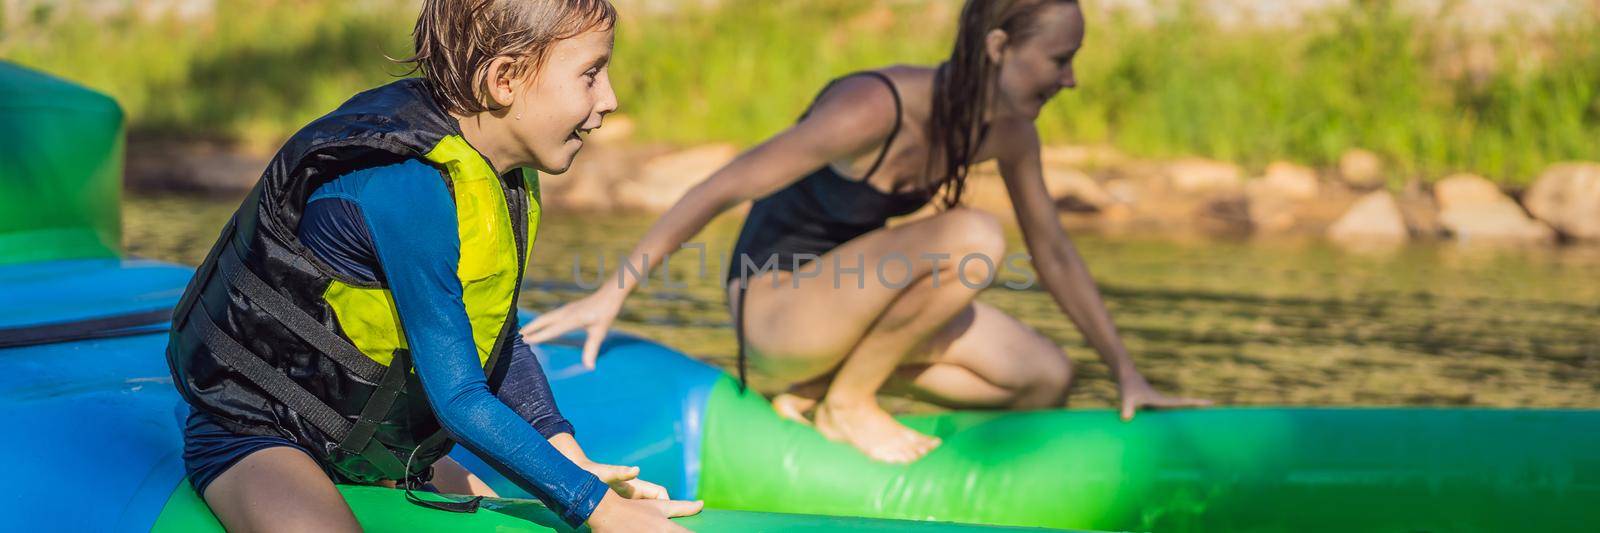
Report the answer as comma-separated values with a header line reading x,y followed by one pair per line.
x,y
270,379
360,440
411,483
299,322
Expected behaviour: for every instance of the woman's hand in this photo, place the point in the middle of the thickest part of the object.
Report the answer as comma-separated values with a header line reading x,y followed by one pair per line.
x,y
624,480
594,314
1136,393
618,514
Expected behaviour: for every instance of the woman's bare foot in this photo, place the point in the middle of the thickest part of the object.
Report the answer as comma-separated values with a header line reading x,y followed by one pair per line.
x,y
801,398
871,430
794,407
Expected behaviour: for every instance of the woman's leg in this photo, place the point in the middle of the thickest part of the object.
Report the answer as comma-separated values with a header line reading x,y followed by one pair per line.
x,y
982,359
859,325
986,359
278,489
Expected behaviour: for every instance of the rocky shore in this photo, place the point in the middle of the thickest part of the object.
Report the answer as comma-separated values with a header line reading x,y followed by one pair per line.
x,y
1358,202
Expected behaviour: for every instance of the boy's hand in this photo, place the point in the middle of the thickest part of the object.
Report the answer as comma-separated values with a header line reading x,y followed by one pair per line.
x,y
618,514
625,481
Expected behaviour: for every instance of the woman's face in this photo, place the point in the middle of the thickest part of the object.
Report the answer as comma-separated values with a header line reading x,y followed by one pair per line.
x,y
567,97
1034,69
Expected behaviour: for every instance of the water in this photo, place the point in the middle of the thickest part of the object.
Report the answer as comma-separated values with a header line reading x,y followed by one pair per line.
x,y
1277,322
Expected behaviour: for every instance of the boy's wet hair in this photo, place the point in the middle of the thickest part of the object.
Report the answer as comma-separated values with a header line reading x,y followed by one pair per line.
x,y
457,39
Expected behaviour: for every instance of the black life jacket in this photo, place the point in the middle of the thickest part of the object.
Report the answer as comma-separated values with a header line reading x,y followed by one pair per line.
x,y
270,340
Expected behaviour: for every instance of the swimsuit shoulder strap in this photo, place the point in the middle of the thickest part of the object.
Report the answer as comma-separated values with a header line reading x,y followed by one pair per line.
x,y
895,132
898,110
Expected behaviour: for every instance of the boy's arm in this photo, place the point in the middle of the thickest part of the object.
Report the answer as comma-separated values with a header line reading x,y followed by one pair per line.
x,y
413,225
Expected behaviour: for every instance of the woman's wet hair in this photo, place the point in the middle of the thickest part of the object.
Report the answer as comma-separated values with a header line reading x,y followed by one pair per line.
x,y
456,40
965,82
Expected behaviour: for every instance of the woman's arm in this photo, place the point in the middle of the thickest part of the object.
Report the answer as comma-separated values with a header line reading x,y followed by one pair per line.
x,y
1062,270
854,117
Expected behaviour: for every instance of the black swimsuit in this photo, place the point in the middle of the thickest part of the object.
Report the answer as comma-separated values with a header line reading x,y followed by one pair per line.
x,y
814,215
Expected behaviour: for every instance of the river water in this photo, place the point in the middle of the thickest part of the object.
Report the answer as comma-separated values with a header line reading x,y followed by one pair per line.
x,y
1264,322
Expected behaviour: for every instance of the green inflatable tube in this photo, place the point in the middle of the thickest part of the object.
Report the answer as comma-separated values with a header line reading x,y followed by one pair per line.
x,y
60,169
383,509
1225,469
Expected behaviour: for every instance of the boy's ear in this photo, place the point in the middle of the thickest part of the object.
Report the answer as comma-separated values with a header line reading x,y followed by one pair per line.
x,y
498,84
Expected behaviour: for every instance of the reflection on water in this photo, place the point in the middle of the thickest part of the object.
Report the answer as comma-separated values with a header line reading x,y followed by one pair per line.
x,y
1243,322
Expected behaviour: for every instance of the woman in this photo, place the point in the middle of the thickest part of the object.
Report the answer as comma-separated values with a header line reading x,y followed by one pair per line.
x,y
879,307
357,313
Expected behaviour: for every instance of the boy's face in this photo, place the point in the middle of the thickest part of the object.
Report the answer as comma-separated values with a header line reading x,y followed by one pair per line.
x,y
567,97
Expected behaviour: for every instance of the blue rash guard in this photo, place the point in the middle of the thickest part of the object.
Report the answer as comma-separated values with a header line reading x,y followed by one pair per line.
x,y
411,219
397,224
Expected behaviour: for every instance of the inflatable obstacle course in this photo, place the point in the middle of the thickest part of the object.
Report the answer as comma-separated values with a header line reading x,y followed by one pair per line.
x,y
94,424
92,420
1220,469
377,510
60,169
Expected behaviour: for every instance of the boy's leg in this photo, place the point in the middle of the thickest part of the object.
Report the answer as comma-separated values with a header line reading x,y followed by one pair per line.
x,y
452,478
278,489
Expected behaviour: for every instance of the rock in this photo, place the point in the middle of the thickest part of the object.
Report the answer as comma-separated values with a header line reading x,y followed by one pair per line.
x,y
1143,200
1461,190
1080,156
1223,214
614,129
1316,215
200,167
1070,190
589,184
664,179
1150,193
1271,214
1421,213
987,193
1124,191
1194,175
1567,197
1276,197
585,192
1361,169
1289,181
985,190
1473,209
1373,218
1075,191
1116,214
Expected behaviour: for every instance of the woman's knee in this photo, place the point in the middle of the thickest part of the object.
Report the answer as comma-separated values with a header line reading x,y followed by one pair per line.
x,y
1057,375
968,233
1051,378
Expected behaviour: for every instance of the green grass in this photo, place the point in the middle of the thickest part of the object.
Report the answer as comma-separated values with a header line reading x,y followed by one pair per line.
x,y
255,72
1364,77
1368,78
